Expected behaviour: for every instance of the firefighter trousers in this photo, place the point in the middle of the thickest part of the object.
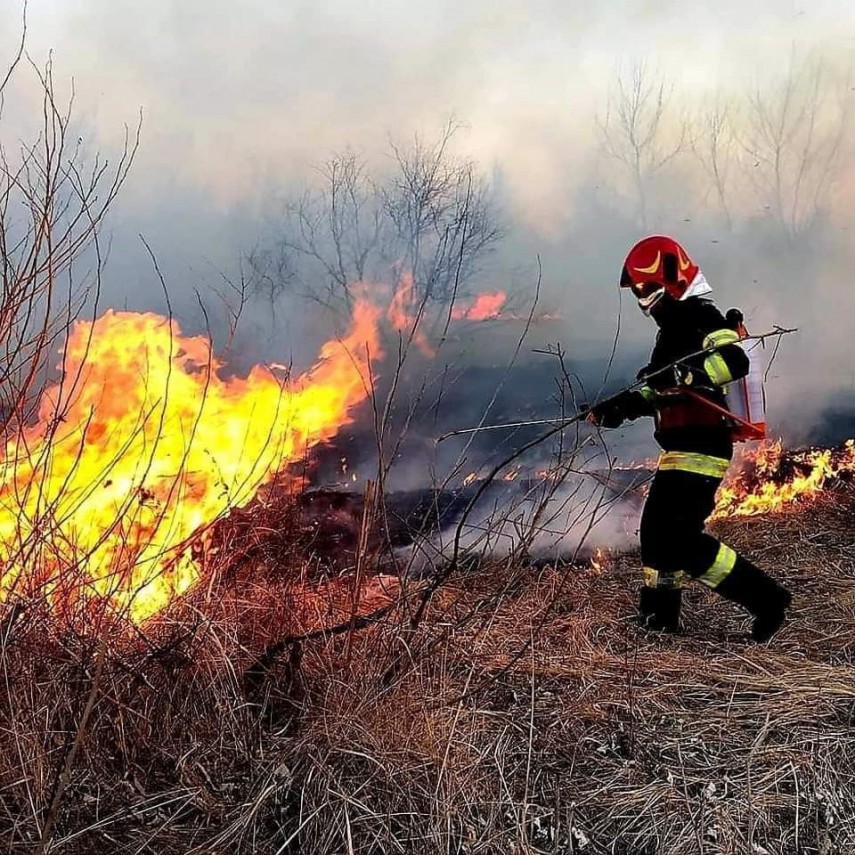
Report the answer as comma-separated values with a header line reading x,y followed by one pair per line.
x,y
674,545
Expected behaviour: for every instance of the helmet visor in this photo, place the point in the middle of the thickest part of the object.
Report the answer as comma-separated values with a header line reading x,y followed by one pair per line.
x,y
644,290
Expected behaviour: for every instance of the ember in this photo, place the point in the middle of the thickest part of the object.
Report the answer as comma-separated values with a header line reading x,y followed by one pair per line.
x,y
600,560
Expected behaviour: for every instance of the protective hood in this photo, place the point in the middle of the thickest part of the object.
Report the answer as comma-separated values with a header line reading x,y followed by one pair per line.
x,y
697,287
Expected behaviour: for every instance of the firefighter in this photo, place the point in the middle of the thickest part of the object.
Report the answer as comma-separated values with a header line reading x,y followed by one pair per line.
x,y
696,441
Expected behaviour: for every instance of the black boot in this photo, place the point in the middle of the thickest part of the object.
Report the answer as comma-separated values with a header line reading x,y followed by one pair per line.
x,y
752,589
659,608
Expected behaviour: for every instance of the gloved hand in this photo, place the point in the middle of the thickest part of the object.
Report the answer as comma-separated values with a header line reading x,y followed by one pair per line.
x,y
613,413
607,415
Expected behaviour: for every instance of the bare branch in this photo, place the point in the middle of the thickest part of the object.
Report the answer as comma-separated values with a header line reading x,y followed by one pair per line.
x,y
638,132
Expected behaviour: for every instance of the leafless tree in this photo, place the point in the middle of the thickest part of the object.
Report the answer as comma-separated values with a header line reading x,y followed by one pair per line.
x,y
792,139
325,239
431,217
638,130
715,147
442,217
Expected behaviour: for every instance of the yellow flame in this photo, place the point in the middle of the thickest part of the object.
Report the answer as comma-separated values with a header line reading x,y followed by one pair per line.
x,y
753,488
145,442
599,560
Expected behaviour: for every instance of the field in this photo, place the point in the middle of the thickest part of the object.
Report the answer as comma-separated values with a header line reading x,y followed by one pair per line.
x,y
527,713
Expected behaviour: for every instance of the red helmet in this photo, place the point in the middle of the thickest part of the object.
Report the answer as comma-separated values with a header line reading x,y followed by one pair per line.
x,y
655,265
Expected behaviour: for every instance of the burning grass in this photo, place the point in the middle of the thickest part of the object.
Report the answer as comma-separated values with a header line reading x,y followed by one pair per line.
x,y
155,445
770,478
527,714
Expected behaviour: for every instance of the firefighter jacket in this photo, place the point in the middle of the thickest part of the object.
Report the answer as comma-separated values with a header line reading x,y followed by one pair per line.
x,y
683,423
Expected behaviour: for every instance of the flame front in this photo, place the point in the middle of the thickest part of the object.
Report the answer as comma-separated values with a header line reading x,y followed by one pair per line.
x,y
768,479
143,444
486,307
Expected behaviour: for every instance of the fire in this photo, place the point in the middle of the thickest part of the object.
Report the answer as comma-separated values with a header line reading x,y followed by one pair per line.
x,y
770,479
406,314
599,560
145,442
486,307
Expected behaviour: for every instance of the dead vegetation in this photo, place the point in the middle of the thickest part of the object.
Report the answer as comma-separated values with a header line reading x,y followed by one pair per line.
x,y
284,708
527,714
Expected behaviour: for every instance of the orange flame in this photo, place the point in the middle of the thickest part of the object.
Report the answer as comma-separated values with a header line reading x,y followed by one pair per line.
x,y
486,307
400,316
143,444
599,560
768,479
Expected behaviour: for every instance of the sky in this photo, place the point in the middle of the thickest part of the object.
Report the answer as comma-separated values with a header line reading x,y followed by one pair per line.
x,y
238,95
241,101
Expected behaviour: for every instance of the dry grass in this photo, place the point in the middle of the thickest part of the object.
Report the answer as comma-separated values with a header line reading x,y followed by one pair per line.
x,y
528,714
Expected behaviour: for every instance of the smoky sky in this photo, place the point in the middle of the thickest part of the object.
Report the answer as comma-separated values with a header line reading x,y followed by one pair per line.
x,y
239,95
241,100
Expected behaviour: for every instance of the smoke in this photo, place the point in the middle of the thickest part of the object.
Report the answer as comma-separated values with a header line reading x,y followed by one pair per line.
x,y
242,101
588,511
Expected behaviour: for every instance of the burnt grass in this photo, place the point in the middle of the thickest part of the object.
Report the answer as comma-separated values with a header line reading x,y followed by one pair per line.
x,y
527,713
